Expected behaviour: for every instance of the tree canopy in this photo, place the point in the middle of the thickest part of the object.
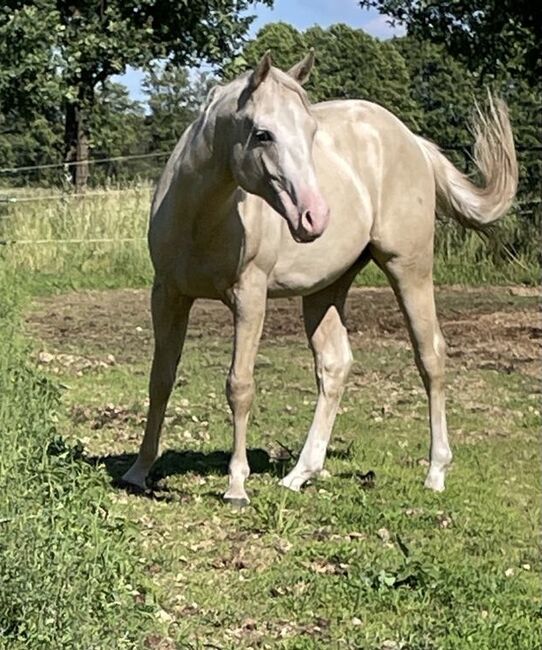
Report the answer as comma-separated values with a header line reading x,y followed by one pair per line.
x,y
349,64
76,45
490,36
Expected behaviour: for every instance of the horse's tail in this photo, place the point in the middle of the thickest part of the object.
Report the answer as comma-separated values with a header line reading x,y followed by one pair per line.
x,y
495,158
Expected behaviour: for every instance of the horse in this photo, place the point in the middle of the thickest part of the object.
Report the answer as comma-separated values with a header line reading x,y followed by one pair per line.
x,y
268,195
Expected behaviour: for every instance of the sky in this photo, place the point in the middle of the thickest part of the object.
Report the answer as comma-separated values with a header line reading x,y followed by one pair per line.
x,y
301,14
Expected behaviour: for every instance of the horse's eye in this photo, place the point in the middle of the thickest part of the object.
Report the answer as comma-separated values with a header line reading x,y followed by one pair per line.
x,y
263,136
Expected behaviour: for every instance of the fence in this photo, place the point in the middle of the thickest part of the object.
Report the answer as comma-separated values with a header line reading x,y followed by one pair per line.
x,y
10,196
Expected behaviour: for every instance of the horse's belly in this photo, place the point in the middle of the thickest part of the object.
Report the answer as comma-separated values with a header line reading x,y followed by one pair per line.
x,y
302,269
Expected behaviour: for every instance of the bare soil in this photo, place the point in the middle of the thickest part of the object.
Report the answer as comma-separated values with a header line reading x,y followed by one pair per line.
x,y
491,327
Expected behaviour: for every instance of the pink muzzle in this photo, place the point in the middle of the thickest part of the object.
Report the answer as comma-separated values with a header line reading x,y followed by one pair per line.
x,y
309,218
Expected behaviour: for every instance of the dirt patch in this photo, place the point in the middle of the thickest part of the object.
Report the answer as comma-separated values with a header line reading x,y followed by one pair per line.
x,y
493,327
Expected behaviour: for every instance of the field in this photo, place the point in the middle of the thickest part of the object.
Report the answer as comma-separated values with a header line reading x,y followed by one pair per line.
x,y
58,241
364,557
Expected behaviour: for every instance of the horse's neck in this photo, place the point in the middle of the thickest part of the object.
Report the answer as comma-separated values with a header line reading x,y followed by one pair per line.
x,y
204,172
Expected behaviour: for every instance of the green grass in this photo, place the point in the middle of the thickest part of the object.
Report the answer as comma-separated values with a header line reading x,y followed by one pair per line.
x,y
121,215
83,565
339,565
64,256
69,567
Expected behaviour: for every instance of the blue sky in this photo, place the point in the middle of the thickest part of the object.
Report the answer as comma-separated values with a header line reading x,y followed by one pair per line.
x,y
301,14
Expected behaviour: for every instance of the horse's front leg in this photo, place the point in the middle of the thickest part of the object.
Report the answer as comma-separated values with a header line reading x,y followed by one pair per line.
x,y
248,301
323,315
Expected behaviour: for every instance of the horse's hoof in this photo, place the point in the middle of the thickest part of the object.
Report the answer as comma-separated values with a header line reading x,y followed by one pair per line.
x,y
291,483
435,481
237,502
128,486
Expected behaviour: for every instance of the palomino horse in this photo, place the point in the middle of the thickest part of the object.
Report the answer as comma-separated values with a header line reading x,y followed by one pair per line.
x,y
351,184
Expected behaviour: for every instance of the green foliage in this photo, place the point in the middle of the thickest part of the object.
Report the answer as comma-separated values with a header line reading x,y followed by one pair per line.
x,y
352,64
68,565
73,47
443,89
92,41
175,97
28,59
286,43
349,64
491,36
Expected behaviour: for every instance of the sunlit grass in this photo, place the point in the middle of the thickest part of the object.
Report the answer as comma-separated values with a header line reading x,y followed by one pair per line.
x,y
66,252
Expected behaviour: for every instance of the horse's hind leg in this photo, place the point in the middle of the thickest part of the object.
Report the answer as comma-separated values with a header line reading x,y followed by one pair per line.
x,y
412,282
170,312
323,313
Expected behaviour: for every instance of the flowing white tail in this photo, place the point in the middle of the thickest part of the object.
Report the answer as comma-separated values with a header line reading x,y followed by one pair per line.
x,y
494,156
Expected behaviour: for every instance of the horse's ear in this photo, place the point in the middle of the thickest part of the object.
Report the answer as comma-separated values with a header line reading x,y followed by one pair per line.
x,y
260,72
301,71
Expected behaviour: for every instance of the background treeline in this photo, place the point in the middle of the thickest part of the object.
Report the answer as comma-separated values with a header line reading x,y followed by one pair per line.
x,y
59,101
432,91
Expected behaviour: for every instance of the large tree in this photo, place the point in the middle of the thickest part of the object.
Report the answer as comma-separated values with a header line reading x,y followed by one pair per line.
x,y
495,37
442,87
88,42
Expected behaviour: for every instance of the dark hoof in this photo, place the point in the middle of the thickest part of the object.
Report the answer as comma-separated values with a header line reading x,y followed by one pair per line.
x,y
131,488
236,502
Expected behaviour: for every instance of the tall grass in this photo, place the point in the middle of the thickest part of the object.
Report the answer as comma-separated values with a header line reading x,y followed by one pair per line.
x,y
65,252
65,230
68,570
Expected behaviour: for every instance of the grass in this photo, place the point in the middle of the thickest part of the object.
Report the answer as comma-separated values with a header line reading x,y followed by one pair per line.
x,y
343,564
66,258
68,562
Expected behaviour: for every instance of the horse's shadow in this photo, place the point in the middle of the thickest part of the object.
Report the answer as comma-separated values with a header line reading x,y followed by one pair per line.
x,y
176,463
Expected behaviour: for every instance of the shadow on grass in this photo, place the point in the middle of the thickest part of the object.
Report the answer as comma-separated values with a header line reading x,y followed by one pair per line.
x,y
174,463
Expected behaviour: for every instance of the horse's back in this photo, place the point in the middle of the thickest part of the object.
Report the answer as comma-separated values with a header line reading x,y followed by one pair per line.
x,y
367,162
384,157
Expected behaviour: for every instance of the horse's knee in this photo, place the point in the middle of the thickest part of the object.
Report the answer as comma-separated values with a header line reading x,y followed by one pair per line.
x,y
240,391
333,370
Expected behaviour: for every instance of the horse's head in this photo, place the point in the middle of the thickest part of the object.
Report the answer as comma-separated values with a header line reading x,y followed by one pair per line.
x,y
272,149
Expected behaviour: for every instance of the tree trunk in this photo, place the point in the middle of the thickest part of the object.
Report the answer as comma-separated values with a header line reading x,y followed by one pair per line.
x,y
76,138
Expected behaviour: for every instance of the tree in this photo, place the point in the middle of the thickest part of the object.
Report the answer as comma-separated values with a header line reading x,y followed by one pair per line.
x,y
117,127
90,41
491,36
442,87
349,64
28,61
287,46
174,98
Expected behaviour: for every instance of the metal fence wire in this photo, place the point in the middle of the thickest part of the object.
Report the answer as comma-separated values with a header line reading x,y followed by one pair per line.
x,y
10,195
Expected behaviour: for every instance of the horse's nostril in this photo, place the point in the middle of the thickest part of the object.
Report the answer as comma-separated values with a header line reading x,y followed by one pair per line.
x,y
308,219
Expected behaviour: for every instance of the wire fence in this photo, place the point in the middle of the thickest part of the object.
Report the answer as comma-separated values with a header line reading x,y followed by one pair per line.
x,y
11,196
86,161
67,196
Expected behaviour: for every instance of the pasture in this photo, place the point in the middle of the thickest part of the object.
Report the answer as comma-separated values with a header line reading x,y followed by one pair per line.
x,y
95,557
362,558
